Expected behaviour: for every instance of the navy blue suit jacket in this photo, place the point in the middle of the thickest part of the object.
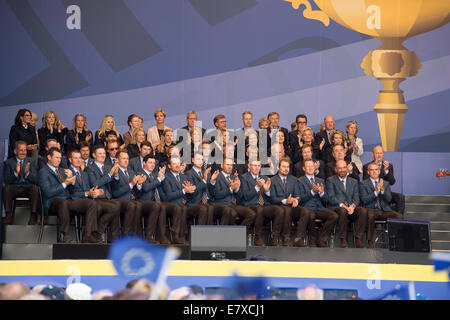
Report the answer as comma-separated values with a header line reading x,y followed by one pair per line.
x,y
248,194
77,190
201,187
278,192
337,194
121,188
309,201
147,193
221,193
97,179
51,186
173,189
368,198
10,177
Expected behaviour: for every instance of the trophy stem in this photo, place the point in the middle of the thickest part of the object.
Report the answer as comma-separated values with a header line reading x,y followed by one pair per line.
x,y
391,64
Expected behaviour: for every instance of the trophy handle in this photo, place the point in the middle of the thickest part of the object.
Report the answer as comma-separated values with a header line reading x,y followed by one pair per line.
x,y
309,13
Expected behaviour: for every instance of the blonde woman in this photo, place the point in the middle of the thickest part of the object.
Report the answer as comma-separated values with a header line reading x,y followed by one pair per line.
x,y
355,144
134,149
263,123
155,133
165,143
134,122
52,128
108,126
78,133
337,137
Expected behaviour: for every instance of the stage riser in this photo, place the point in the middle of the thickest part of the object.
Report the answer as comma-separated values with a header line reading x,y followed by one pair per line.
x,y
429,207
13,251
427,199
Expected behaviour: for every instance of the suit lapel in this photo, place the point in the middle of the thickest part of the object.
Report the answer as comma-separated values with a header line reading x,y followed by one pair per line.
x,y
340,185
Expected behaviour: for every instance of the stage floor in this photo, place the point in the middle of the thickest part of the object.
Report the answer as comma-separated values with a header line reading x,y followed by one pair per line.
x,y
371,272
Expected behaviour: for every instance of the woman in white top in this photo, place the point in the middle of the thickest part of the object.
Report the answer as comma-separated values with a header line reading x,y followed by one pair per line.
x,y
354,143
154,133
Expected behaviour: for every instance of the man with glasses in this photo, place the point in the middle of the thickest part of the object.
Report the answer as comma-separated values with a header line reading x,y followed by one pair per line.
x,y
112,146
295,137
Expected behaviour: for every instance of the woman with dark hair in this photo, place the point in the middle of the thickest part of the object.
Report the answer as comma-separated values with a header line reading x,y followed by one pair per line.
x,y
52,128
78,133
135,123
22,130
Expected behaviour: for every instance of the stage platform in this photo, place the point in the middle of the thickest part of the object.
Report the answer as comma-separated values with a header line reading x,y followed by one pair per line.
x,y
369,272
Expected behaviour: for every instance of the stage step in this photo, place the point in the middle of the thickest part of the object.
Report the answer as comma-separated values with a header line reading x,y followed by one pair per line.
x,y
22,234
427,199
440,225
440,244
13,251
428,207
427,216
440,235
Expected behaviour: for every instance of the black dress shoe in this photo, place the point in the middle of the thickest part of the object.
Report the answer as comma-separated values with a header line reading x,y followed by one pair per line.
x,y
299,242
259,241
91,239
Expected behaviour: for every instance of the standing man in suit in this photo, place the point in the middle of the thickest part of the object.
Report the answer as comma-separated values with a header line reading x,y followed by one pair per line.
x,y
149,202
375,196
339,154
387,174
20,176
124,185
313,201
285,192
191,120
176,188
53,182
137,163
326,134
82,198
307,154
108,210
343,197
295,136
274,120
255,194
224,190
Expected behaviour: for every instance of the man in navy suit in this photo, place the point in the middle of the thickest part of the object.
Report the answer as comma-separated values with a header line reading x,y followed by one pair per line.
x,y
375,196
224,190
339,154
255,193
20,181
85,151
149,202
82,197
387,174
197,202
112,147
285,192
176,188
137,163
42,160
313,200
307,154
100,175
53,182
343,197
124,185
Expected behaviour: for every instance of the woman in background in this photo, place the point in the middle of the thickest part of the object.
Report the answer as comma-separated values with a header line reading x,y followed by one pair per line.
x,y
108,125
134,122
78,133
155,133
161,152
22,130
355,144
134,149
52,128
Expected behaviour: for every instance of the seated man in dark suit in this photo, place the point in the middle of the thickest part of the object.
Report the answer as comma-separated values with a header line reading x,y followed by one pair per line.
x,y
285,192
343,197
307,154
137,163
224,190
82,198
85,151
20,176
387,174
313,201
53,182
112,147
124,185
108,210
339,154
149,202
199,198
375,196
255,194
42,161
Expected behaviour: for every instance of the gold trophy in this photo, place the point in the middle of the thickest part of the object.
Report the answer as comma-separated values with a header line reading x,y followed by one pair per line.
x,y
391,22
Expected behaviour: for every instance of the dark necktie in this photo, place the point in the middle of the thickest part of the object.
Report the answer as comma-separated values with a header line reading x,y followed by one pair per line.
x,y
312,181
204,195
378,197
126,175
343,183
233,199
285,184
260,196
157,198
21,172
107,193
79,177
183,200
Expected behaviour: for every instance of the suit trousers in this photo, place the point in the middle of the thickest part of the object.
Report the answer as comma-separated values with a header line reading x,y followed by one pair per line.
x,y
130,214
359,217
10,193
178,214
373,215
245,214
150,210
65,207
398,202
108,213
275,213
329,219
223,212
294,214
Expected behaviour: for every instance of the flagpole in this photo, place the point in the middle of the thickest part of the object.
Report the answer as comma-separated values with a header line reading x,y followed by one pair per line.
x,y
171,254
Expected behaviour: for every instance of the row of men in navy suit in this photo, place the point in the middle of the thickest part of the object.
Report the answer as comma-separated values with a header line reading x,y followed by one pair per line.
x,y
105,192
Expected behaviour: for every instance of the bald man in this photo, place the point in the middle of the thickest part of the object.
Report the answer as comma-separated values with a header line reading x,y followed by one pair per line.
x,y
325,134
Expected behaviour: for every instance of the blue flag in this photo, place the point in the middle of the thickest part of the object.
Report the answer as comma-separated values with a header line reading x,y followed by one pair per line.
x,y
134,257
441,261
400,293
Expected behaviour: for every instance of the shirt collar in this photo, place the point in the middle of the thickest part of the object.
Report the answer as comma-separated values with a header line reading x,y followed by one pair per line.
x,y
309,177
75,169
100,165
52,167
147,172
